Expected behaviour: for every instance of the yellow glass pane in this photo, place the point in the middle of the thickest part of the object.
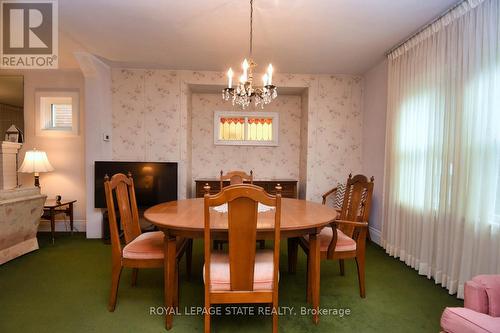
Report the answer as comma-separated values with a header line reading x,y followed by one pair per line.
x,y
259,132
252,131
260,129
231,129
238,132
265,132
226,131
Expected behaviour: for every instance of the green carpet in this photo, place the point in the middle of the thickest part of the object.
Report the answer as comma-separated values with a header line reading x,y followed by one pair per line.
x,y
65,287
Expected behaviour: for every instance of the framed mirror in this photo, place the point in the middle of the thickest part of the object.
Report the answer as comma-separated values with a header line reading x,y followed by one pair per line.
x,y
11,107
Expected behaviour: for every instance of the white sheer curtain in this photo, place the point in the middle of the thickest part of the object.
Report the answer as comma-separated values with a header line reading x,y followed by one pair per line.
x,y
443,148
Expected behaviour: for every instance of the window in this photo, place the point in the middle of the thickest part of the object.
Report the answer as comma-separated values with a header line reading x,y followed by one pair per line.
x,y
246,128
61,116
57,113
497,204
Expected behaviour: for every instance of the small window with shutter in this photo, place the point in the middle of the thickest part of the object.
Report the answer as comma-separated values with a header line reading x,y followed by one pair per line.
x,y
61,116
57,113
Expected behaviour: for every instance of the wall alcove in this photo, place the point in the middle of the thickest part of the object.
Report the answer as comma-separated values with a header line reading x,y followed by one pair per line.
x,y
281,161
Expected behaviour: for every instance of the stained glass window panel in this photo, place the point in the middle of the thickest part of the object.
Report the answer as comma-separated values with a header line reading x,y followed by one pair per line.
x,y
246,128
260,129
232,129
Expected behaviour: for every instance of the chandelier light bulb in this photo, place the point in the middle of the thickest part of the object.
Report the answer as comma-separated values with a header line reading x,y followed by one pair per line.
x,y
230,78
270,74
264,79
245,66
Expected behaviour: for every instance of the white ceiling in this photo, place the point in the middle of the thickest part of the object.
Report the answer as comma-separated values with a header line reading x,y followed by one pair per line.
x,y
297,36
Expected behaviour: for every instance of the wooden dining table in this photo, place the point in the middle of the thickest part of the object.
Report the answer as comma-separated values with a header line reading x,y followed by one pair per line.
x,y
184,218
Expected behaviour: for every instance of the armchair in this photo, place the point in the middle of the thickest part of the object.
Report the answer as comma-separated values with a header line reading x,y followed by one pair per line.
x,y
345,238
481,311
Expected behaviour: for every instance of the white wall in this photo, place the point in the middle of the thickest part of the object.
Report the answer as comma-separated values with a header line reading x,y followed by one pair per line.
x,y
304,114
373,155
98,122
66,154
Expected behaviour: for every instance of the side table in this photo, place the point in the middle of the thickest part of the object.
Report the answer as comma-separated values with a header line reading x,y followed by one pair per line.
x,y
52,208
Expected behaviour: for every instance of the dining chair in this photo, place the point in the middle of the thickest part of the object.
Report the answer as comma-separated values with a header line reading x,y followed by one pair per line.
x,y
345,237
338,193
236,177
141,250
243,274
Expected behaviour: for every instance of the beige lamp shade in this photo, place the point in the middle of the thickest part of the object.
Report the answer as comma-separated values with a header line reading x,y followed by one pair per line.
x,y
35,161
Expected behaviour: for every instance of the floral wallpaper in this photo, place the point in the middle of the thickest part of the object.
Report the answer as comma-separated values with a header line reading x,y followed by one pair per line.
x,y
156,117
266,162
146,115
337,132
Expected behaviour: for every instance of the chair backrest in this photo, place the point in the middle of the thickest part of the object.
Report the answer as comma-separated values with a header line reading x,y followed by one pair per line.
x,y
235,177
242,201
357,201
121,187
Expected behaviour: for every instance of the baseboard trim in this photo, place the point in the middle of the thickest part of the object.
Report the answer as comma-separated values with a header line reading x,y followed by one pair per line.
x,y
375,236
61,225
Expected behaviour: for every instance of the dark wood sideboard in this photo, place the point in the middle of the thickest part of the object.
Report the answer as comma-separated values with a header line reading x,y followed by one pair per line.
x,y
289,186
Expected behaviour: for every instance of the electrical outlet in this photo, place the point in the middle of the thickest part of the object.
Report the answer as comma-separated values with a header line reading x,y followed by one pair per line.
x,y
106,137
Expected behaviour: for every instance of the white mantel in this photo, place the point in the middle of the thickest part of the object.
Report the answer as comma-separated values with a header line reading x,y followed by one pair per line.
x,y
8,164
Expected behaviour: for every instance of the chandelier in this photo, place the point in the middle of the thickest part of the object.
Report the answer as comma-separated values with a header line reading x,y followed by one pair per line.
x,y
244,91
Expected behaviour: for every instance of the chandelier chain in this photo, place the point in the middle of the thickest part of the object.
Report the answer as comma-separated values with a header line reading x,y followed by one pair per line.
x,y
251,26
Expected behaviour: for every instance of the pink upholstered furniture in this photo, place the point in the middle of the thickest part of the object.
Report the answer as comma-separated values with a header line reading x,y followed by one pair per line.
x,y
481,311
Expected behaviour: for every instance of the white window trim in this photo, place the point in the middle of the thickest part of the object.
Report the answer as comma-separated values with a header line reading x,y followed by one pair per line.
x,y
246,115
41,114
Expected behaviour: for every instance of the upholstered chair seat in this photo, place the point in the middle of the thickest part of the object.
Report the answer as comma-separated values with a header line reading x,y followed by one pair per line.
x,y
344,242
481,311
148,245
220,277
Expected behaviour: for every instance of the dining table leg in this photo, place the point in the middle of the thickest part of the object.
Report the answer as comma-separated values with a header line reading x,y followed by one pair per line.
x,y
169,278
292,255
309,280
314,274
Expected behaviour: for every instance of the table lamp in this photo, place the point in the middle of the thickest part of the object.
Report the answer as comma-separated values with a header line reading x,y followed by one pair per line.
x,y
36,161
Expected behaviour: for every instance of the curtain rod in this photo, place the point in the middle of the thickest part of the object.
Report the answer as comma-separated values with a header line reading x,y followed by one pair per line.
x,y
425,26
